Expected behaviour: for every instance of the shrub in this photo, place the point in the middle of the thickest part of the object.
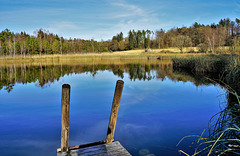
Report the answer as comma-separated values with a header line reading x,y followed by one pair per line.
x,y
202,47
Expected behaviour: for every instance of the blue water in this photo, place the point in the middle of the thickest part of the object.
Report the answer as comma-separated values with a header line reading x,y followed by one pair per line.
x,y
153,115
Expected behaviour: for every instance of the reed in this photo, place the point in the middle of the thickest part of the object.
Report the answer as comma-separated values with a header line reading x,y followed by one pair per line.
x,y
202,64
224,132
222,68
223,136
233,73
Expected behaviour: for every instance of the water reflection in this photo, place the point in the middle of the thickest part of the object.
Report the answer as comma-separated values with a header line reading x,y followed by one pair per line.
x,y
45,74
158,107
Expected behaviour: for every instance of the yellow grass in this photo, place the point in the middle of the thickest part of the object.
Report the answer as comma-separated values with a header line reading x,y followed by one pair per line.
x,y
130,54
157,51
84,61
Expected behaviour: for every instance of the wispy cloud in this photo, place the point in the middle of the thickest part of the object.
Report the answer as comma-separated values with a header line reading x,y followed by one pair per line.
x,y
127,10
237,4
62,28
124,16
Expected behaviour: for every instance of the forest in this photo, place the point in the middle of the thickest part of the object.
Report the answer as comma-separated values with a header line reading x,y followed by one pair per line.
x,y
207,38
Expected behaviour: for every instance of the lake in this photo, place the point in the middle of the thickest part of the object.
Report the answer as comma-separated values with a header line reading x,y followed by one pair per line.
x,y
159,106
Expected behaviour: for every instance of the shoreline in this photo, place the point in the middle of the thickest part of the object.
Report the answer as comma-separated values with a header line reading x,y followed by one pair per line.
x,y
131,54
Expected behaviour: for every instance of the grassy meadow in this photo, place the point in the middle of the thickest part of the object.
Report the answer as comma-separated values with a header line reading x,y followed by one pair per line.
x,y
166,53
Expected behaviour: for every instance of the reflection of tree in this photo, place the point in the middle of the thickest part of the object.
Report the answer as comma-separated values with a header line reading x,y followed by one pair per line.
x,y
119,73
9,88
44,75
137,71
166,69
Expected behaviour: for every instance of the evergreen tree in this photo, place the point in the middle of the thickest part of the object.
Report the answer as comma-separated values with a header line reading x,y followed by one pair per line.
x,y
131,40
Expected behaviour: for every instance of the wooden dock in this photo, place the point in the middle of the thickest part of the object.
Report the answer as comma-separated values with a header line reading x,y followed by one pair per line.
x,y
107,147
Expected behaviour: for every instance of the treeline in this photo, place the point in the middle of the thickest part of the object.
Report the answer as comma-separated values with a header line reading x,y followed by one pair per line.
x,y
208,38
205,37
45,43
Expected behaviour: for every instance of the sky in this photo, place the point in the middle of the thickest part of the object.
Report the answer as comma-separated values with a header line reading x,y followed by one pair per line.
x,y
102,19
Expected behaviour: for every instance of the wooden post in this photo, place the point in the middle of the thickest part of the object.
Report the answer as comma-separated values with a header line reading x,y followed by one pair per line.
x,y
65,117
114,111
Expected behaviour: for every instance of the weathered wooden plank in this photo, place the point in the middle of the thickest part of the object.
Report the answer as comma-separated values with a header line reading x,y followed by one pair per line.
x,y
119,151
84,145
114,111
102,148
65,117
87,145
110,149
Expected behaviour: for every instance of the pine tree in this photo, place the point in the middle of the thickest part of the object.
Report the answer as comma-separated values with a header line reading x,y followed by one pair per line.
x,y
131,40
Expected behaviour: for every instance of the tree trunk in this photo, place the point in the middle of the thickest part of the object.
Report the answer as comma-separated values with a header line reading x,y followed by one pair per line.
x,y
40,46
213,42
61,47
0,48
24,48
14,47
10,49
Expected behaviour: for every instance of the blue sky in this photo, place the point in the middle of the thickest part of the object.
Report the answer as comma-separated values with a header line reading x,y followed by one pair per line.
x,y
101,19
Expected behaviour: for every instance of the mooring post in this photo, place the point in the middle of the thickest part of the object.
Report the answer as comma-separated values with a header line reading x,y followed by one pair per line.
x,y
114,111
65,117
